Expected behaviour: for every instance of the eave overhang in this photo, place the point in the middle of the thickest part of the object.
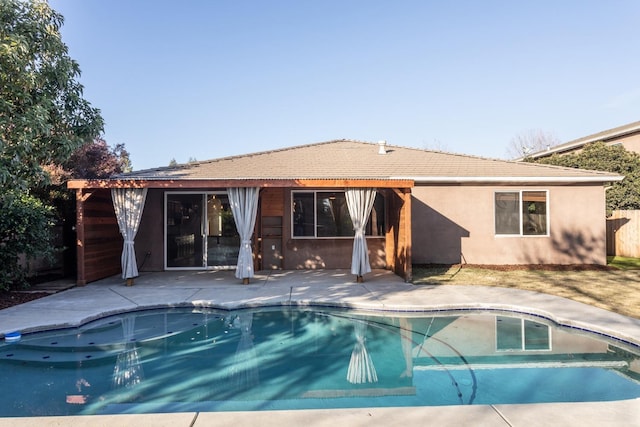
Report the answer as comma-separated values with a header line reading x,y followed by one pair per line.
x,y
249,182
514,180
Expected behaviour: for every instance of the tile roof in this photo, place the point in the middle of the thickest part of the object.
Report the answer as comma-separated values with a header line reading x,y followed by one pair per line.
x,y
348,159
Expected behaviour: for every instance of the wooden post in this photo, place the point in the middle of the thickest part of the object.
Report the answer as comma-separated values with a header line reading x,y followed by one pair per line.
x,y
81,278
406,218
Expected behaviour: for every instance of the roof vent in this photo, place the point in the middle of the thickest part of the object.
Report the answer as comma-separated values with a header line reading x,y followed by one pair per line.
x,y
382,147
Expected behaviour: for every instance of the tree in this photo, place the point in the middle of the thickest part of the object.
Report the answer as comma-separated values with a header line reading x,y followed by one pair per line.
x,y
530,142
598,156
43,119
97,160
91,161
25,229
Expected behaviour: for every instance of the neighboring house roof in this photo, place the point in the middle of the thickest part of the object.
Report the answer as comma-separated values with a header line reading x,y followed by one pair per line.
x,y
605,136
357,160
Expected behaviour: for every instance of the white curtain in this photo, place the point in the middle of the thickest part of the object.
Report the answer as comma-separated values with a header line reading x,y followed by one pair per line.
x,y
128,371
360,202
245,372
244,205
128,204
361,369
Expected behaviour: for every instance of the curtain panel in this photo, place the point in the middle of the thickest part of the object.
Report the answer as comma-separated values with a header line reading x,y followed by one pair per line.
x,y
128,204
244,206
361,368
360,202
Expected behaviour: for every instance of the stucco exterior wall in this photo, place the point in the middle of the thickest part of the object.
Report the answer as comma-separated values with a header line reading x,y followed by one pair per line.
x,y
456,225
630,142
450,225
476,335
304,253
329,253
297,253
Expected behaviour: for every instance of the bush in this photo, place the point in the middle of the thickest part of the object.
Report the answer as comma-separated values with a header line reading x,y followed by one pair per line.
x,y
25,230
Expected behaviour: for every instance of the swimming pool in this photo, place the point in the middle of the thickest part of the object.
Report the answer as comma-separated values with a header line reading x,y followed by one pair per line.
x,y
174,360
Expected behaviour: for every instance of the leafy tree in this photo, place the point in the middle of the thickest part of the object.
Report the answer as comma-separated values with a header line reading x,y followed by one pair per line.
x,y
98,160
25,226
598,156
91,161
43,119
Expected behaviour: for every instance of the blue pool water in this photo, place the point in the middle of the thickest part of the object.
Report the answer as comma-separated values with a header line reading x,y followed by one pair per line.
x,y
294,358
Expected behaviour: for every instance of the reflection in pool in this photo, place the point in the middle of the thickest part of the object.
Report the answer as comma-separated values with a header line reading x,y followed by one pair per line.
x,y
296,358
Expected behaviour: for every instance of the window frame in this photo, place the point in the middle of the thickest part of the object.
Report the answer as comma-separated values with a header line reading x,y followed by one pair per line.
x,y
315,215
524,327
520,213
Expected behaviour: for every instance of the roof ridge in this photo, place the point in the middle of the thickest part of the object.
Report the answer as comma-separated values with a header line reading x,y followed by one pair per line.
x,y
231,157
274,150
528,164
452,153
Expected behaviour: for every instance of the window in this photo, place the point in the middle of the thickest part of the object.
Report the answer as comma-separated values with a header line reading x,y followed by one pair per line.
x,y
521,213
325,214
513,334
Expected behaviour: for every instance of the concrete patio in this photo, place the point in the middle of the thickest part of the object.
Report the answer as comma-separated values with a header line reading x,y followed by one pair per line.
x,y
381,290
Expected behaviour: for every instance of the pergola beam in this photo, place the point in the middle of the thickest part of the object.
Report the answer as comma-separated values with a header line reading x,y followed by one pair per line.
x,y
226,183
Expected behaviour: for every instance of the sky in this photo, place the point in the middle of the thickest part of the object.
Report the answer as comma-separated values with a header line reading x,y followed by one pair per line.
x,y
203,79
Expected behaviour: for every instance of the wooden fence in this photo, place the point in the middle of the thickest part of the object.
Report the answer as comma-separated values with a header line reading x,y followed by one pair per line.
x,y
623,233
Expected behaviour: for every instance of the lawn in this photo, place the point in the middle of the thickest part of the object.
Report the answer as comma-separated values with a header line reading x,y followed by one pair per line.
x,y
616,288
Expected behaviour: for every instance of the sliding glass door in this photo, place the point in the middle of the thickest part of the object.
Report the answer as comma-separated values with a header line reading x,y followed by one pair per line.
x,y
222,239
200,231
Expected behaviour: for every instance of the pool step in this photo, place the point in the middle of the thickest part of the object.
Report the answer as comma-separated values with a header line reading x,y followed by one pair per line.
x,y
21,355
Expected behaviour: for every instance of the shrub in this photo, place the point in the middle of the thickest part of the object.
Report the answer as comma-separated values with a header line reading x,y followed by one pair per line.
x,y
25,230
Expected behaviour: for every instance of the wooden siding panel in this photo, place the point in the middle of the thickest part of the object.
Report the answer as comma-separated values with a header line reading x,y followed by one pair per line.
x,y
269,253
398,237
99,239
272,201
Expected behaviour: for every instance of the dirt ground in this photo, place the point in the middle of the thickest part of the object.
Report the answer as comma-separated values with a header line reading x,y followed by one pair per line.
x,y
601,286
9,299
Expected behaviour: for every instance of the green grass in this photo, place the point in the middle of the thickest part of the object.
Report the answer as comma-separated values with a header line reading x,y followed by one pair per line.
x,y
624,263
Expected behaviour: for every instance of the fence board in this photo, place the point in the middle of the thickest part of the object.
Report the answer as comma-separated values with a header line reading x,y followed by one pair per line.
x,y
623,233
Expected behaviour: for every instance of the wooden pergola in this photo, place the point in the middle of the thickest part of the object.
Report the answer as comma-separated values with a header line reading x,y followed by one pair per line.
x,y
99,243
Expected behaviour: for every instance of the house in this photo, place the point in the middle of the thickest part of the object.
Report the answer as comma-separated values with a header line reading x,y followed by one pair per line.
x,y
623,226
428,207
628,136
